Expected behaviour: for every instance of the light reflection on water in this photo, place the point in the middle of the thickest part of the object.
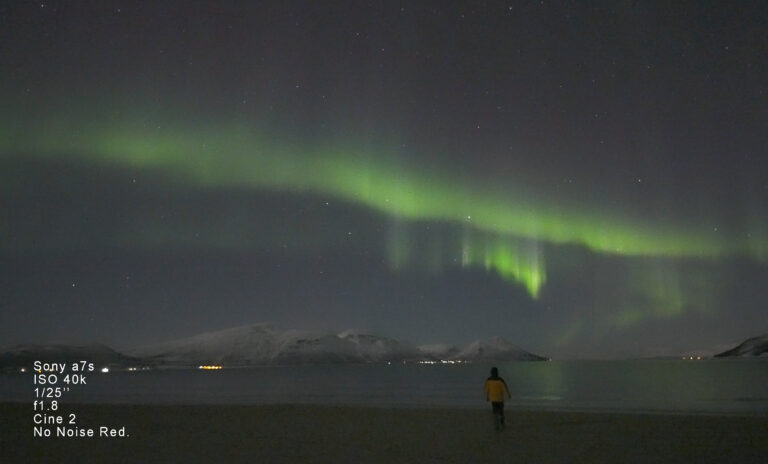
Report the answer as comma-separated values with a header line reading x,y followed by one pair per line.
x,y
715,386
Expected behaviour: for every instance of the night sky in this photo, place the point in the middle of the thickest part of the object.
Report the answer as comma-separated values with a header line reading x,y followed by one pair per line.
x,y
585,179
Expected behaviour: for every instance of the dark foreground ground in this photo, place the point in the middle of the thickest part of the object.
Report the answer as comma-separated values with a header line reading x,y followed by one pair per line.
x,y
339,434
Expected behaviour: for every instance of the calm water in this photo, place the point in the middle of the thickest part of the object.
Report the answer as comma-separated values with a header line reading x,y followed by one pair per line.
x,y
715,386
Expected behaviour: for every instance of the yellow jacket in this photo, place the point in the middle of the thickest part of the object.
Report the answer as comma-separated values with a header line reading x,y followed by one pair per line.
x,y
496,390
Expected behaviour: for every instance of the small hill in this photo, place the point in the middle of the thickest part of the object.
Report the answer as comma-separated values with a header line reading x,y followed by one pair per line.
x,y
25,355
756,346
496,349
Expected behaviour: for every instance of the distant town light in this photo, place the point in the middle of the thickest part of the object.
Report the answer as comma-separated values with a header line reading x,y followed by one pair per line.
x,y
104,370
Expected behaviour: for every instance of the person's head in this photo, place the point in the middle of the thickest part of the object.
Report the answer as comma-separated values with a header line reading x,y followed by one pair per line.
x,y
494,372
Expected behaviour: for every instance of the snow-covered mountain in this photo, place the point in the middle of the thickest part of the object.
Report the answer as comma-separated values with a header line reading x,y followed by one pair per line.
x,y
495,349
262,344
236,344
755,346
372,348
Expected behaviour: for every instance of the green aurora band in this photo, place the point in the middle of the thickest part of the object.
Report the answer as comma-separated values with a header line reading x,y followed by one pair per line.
x,y
504,232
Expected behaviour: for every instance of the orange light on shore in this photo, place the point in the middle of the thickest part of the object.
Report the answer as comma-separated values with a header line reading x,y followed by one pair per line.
x,y
209,367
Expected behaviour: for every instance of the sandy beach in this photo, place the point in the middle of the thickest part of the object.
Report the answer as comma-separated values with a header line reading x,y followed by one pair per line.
x,y
341,434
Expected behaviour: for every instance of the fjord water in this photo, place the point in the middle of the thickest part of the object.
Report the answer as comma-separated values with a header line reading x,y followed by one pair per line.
x,y
736,386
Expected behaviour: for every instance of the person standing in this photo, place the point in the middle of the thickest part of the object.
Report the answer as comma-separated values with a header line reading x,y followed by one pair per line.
x,y
495,391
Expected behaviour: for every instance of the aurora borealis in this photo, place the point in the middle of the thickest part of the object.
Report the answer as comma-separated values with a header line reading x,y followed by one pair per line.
x,y
394,167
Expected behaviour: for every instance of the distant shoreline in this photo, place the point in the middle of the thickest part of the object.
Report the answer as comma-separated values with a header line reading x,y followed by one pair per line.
x,y
723,389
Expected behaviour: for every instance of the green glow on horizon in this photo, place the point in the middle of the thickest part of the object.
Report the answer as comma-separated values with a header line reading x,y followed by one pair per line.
x,y
235,156
512,259
517,263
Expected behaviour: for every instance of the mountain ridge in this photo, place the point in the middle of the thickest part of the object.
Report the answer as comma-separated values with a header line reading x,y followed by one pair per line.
x,y
261,344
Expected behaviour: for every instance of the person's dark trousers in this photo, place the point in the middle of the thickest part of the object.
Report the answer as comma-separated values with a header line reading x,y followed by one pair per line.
x,y
498,408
